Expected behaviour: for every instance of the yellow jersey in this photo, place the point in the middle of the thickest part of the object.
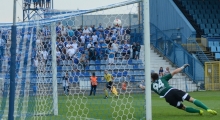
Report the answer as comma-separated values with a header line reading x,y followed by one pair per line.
x,y
108,77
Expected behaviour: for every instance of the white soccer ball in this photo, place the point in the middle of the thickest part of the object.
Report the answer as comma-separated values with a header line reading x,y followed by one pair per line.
x,y
117,22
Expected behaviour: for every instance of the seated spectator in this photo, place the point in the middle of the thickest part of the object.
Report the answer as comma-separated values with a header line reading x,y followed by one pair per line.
x,y
83,61
81,49
60,45
138,50
104,48
97,52
115,47
89,45
36,61
100,28
167,71
121,33
127,33
93,28
58,55
68,45
91,51
70,32
107,39
106,32
125,50
134,49
35,3
94,37
74,44
111,55
44,54
100,38
161,72
86,30
63,54
47,3
70,52
2,44
82,38
63,31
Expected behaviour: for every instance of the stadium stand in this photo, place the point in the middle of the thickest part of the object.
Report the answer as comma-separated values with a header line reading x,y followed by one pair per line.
x,y
203,15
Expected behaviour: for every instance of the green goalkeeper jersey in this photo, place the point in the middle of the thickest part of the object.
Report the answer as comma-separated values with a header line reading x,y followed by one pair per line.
x,y
161,86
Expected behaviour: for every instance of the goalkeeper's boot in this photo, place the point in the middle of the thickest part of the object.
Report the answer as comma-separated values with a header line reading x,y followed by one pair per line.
x,y
212,112
200,112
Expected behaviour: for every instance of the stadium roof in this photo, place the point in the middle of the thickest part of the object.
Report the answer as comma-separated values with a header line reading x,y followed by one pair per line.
x,y
69,14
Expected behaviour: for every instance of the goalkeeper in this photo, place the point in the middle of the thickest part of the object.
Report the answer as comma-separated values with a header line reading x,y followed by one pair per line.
x,y
109,78
174,96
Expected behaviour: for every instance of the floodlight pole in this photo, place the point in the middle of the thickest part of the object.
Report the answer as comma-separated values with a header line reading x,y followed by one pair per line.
x,y
146,10
12,66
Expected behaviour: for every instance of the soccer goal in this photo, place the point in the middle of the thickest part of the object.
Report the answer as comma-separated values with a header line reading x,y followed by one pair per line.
x,y
61,52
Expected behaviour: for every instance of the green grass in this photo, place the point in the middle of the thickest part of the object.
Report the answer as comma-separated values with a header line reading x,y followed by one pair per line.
x,y
128,107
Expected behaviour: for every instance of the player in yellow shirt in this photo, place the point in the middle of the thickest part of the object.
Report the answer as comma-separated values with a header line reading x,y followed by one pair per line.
x,y
109,78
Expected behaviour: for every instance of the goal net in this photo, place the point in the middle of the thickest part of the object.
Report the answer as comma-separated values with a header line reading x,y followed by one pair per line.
x,y
63,52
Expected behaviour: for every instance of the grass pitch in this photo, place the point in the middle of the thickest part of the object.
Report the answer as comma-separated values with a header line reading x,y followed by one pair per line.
x,y
128,107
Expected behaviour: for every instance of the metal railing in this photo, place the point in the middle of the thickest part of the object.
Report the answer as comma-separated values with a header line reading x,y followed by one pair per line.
x,y
177,54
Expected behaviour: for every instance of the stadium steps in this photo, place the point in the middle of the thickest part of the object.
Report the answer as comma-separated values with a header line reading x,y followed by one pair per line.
x,y
179,81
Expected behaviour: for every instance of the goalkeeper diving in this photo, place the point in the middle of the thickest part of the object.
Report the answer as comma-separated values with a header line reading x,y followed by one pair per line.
x,y
109,85
173,96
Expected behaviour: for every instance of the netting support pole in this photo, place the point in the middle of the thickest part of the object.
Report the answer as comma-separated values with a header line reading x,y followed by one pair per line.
x,y
54,68
12,66
146,10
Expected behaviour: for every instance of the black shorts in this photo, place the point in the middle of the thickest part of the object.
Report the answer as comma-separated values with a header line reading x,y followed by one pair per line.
x,y
109,84
175,98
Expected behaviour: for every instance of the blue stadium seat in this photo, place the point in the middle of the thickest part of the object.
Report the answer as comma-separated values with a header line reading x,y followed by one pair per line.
x,y
197,12
202,26
213,49
208,11
204,21
198,7
208,26
191,12
97,62
91,62
217,55
125,73
199,21
97,67
213,11
188,7
214,26
216,43
204,7
206,16
216,21
210,21
212,31
206,31
92,67
202,12
212,16
218,48
218,30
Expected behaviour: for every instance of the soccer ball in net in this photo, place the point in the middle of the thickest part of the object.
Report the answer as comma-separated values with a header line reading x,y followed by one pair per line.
x,y
117,22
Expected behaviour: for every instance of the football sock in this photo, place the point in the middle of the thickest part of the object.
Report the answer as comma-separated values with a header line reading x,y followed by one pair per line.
x,y
200,104
192,110
114,91
106,93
